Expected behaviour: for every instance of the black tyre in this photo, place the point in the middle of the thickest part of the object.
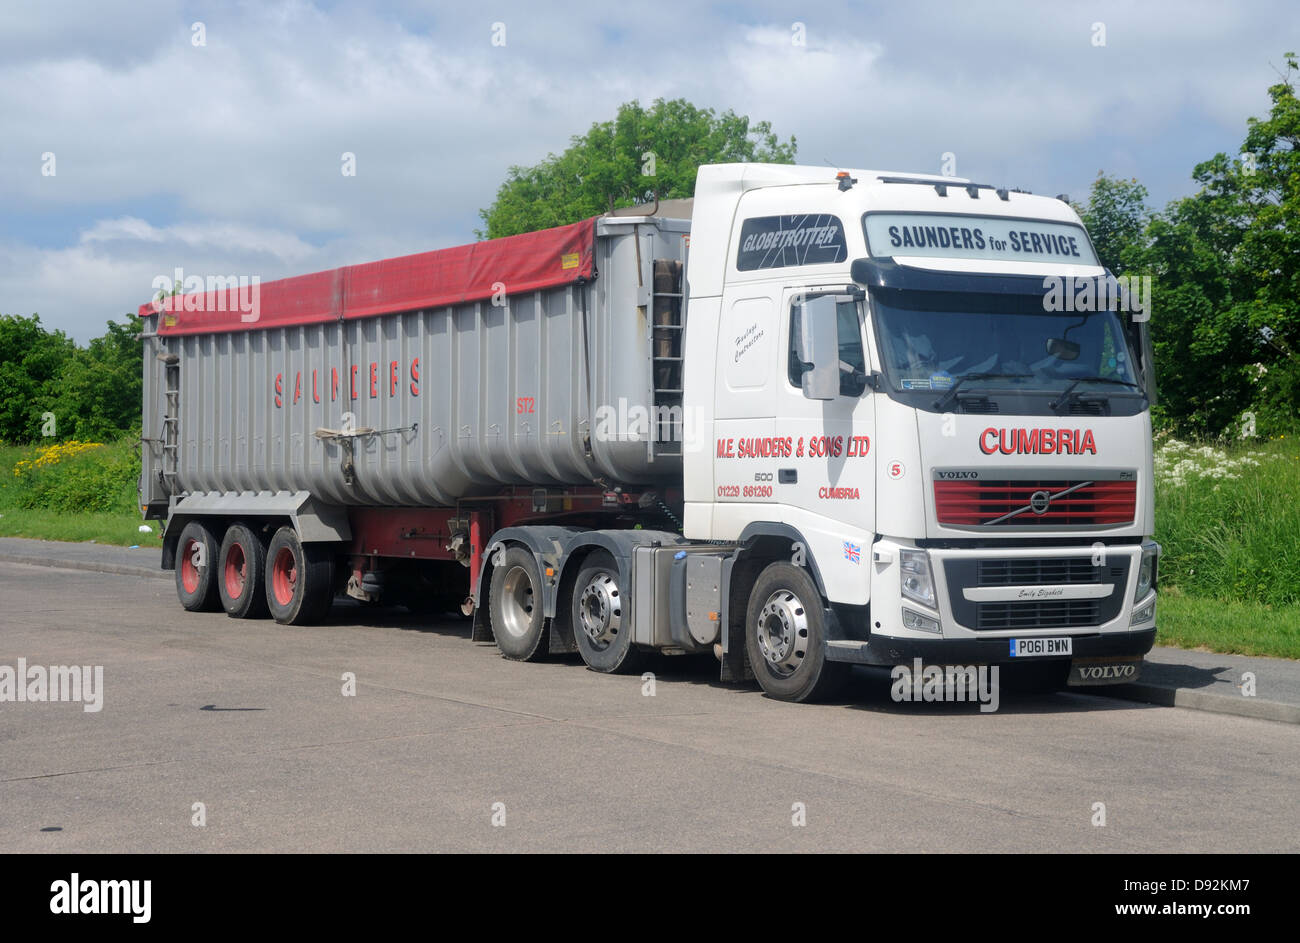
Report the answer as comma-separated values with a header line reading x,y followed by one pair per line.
x,y
515,606
242,571
299,579
602,619
197,553
785,636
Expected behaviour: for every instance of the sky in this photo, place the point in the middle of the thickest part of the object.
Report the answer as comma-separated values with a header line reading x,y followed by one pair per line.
x,y
141,137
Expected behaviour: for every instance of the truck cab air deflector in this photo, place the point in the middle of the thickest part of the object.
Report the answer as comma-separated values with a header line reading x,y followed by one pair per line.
x,y
889,275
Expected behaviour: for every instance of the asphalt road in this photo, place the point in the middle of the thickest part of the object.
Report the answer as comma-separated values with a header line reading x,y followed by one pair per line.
x,y
249,719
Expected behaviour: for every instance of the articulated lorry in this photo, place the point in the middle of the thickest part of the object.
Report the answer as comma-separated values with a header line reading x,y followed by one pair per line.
x,y
806,420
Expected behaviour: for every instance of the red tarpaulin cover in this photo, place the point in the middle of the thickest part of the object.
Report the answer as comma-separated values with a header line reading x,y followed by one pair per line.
x,y
523,263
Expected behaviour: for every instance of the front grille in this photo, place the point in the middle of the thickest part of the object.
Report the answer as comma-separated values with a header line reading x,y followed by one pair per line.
x,y
969,503
1036,614
1047,613
1030,572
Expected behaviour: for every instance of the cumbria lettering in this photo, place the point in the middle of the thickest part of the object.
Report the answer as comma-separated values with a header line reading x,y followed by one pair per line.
x,y
1037,441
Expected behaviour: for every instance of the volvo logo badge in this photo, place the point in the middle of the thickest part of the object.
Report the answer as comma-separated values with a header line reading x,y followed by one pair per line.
x,y
1039,502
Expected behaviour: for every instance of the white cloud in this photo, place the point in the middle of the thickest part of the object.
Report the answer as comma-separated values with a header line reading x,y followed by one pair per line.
x,y
226,158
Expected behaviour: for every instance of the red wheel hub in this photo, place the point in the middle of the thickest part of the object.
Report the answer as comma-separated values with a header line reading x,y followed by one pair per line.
x,y
235,571
284,576
189,572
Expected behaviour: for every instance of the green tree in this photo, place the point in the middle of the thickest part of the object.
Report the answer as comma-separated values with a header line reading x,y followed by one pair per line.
x,y
623,162
1268,175
93,392
1116,216
1226,265
32,360
102,388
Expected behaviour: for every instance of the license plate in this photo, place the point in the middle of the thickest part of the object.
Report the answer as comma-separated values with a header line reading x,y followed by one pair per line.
x,y
1040,647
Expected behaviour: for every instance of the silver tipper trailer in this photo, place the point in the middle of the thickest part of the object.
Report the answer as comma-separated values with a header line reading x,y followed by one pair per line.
x,y
424,406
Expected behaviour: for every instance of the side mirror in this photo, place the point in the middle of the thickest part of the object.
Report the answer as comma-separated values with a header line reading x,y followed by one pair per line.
x,y
1062,349
818,348
1147,374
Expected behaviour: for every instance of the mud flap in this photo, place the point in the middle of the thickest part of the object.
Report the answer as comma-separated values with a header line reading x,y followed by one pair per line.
x,y
1121,669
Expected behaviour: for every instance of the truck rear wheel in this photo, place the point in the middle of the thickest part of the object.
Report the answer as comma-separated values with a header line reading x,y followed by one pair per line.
x,y
243,573
299,579
196,568
785,636
602,620
515,606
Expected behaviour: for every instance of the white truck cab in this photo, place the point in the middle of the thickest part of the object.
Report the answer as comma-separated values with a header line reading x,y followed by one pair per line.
x,y
922,387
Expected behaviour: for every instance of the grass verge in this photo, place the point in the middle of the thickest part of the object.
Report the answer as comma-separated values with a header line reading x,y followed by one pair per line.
x,y
105,527
1234,628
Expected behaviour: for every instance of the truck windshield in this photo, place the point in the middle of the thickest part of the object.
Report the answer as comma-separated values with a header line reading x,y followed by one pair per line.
x,y
930,340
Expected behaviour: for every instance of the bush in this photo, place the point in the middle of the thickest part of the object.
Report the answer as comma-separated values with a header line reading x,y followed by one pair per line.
x,y
76,476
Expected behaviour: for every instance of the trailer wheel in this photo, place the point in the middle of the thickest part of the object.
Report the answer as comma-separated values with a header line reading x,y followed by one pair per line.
x,y
197,551
515,606
243,573
601,618
299,579
785,636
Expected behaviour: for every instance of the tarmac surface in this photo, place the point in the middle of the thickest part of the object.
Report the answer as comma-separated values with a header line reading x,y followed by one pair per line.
x,y
445,746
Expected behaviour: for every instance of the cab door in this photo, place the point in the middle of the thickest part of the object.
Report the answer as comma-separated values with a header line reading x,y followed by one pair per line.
x,y
744,406
827,485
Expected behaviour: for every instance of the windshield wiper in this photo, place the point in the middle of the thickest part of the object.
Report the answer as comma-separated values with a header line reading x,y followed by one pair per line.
x,y
952,390
1069,393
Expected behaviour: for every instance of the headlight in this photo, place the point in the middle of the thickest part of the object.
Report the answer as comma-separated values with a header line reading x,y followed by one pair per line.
x,y
918,583
1147,571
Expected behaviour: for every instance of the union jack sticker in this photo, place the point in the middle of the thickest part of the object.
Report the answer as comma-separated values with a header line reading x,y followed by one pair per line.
x,y
852,552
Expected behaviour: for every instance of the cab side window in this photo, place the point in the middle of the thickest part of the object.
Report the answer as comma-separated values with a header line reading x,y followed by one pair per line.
x,y
852,357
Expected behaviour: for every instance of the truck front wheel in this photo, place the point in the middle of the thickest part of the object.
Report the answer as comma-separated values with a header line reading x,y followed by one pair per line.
x,y
515,605
602,620
299,579
785,636
197,551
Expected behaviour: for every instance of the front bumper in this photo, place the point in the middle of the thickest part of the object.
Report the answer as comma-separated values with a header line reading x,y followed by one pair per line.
x,y
893,650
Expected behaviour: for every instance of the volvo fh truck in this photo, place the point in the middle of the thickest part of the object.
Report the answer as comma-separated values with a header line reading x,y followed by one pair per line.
x,y
809,419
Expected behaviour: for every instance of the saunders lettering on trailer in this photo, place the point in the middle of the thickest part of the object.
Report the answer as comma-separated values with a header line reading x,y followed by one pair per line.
x,y
594,439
